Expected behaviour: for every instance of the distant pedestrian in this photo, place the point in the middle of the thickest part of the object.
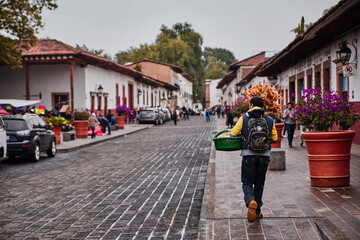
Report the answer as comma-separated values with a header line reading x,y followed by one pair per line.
x,y
258,131
218,110
109,115
105,124
207,115
175,116
229,119
222,111
93,123
289,117
284,130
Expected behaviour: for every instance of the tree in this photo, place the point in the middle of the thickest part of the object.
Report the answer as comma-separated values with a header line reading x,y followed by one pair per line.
x,y
221,54
99,52
215,69
301,28
180,46
20,21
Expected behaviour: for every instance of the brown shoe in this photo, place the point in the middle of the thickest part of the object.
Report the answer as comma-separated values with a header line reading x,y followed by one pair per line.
x,y
259,216
251,215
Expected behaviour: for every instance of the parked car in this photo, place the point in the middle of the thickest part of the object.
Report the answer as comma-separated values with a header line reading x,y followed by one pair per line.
x,y
150,116
3,145
28,135
167,114
161,114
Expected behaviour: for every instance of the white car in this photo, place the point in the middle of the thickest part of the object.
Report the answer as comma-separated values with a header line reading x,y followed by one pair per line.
x,y
3,143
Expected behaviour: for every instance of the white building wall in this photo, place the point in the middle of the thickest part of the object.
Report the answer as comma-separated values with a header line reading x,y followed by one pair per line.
x,y
215,93
12,83
44,78
319,57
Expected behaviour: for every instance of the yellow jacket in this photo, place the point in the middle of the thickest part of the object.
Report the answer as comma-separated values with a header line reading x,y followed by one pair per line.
x,y
238,126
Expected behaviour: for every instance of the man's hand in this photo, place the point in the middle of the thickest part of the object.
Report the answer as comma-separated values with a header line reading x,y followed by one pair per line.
x,y
232,135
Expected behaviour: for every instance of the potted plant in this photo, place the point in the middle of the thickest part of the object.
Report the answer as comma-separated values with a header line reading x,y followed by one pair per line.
x,y
57,123
122,111
81,123
271,107
240,107
328,150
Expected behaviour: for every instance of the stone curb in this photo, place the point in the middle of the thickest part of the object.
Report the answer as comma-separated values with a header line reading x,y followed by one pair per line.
x,y
66,150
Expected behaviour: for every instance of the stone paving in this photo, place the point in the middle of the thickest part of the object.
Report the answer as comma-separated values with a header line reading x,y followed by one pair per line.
x,y
147,185
292,208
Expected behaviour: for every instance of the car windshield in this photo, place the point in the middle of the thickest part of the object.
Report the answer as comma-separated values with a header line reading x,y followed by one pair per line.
x,y
15,124
147,111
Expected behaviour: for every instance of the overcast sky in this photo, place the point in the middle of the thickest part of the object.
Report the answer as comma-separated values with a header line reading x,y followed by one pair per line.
x,y
244,27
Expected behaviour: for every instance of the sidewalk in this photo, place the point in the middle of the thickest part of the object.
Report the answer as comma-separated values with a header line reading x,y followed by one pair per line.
x,y
292,208
84,142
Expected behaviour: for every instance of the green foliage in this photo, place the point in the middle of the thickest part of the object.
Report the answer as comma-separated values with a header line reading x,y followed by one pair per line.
x,y
301,28
81,115
180,46
215,69
58,121
220,54
138,68
99,52
20,20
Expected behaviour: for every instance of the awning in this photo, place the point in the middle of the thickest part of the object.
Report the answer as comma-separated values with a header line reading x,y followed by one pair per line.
x,y
18,103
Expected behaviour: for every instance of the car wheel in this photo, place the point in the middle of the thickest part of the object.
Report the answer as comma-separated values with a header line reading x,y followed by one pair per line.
x,y
35,156
52,149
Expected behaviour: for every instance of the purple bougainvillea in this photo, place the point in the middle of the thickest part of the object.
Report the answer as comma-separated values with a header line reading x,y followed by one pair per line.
x,y
320,109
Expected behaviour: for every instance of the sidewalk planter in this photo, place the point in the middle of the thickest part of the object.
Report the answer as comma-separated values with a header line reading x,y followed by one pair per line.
x,y
57,131
81,128
329,157
120,121
279,127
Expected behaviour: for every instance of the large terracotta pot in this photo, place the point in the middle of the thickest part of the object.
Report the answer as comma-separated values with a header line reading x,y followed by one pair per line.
x,y
57,131
81,128
329,157
279,127
120,121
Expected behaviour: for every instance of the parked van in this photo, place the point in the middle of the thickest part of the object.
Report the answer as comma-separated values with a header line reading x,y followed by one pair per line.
x,y
3,143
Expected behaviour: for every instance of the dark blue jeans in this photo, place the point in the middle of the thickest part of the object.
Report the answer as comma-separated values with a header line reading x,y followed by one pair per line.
x,y
253,172
290,129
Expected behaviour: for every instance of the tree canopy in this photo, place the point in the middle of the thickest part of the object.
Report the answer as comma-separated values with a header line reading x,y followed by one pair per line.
x,y
181,45
20,20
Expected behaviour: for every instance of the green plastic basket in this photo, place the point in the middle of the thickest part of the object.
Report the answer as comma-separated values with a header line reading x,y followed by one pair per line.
x,y
227,143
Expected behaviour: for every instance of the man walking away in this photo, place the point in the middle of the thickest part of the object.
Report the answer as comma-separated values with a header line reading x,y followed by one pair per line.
x,y
290,123
258,131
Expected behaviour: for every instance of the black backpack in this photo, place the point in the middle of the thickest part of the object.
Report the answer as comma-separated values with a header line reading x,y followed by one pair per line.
x,y
258,139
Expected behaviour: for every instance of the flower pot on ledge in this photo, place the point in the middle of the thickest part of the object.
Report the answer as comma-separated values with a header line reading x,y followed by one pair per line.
x,y
279,127
120,121
329,157
81,128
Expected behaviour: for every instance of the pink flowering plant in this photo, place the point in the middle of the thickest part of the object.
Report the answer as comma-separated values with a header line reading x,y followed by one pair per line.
x,y
240,107
122,110
319,109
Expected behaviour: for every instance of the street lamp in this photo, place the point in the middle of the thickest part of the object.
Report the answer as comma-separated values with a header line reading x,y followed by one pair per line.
x,y
273,80
139,92
343,54
100,89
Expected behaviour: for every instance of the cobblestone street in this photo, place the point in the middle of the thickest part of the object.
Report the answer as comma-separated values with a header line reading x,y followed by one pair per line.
x,y
146,185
